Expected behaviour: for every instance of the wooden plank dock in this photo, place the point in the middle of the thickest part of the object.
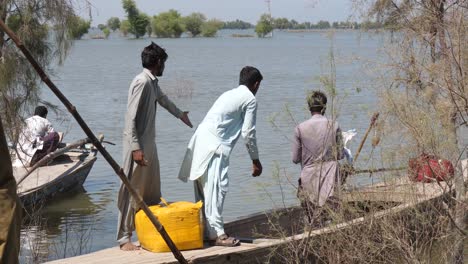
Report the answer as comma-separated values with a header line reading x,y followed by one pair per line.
x,y
404,193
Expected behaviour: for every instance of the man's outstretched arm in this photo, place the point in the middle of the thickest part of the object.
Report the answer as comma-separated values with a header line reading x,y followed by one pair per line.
x,y
165,102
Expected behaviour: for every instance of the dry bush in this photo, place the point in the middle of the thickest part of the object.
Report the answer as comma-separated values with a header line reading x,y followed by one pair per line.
x,y
44,239
411,236
421,86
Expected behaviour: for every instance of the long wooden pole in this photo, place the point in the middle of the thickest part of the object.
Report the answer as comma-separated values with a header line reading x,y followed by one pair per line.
x,y
118,170
51,156
372,123
359,171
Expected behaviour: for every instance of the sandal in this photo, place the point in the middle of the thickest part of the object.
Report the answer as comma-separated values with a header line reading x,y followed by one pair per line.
x,y
226,241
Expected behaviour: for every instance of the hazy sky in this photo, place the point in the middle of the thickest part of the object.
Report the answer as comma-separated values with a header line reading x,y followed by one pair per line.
x,y
247,10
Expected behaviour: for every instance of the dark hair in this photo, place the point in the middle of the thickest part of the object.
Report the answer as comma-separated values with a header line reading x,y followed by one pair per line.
x,y
317,101
152,54
41,111
249,76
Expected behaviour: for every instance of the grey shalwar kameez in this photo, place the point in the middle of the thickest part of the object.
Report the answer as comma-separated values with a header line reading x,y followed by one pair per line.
x,y
139,133
317,145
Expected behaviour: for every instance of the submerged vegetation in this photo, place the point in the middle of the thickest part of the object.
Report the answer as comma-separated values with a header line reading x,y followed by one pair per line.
x,y
137,20
422,93
78,27
168,24
171,24
264,26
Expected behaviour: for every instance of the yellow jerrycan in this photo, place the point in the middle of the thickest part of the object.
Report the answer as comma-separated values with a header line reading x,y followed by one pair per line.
x,y
183,222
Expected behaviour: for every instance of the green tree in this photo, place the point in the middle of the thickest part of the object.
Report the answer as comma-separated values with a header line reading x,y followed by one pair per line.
x,y
264,26
238,24
138,21
281,23
323,24
78,27
113,23
124,27
193,23
101,26
293,24
211,27
19,83
106,32
168,24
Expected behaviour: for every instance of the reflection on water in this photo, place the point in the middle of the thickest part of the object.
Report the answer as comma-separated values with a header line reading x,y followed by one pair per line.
x,y
61,228
96,77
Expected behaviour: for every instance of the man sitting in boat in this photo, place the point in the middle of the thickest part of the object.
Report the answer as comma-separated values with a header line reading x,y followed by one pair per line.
x,y
206,161
317,146
37,139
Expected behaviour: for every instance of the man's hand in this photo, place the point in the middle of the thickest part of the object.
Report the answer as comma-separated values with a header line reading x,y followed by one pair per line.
x,y
186,119
139,157
256,168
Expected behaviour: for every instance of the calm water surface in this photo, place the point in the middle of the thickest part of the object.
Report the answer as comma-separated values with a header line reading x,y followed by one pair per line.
x,y
96,77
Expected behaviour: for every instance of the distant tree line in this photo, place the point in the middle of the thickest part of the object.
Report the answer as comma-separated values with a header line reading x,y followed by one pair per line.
x,y
172,24
238,24
267,24
284,23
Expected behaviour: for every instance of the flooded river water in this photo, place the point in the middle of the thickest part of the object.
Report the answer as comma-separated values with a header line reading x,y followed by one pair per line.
x,y
96,76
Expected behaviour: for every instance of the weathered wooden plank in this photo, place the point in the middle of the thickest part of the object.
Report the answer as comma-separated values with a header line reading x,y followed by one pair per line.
x,y
115,255
412,194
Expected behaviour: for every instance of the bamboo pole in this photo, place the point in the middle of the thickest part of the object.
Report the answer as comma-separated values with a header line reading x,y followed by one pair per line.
x,y
372,123
359,171
118,170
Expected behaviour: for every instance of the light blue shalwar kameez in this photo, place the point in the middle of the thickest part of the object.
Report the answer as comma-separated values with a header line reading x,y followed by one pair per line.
x,y
206,161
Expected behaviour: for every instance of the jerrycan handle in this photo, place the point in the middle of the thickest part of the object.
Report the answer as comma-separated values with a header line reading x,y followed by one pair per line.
x,y
164,202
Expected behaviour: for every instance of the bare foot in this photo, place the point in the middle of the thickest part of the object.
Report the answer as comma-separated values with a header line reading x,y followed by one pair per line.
x,y
129,247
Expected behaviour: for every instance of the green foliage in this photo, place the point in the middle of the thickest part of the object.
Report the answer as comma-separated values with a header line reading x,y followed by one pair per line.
x,y
130,8
141,24
101,27
31,20
113,23
138,21
168,24
284,23
281,23
211,27
124,27
77,27
264,26
323,24
14,22
238,24
106,32
194,22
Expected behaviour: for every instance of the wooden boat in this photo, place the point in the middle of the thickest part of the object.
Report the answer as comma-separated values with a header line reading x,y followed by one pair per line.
x,y
65,172
259,232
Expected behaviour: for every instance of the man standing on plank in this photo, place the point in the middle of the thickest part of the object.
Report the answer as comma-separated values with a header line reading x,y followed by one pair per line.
x,y
206,161
140,155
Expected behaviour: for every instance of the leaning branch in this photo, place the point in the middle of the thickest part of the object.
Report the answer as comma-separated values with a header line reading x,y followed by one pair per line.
x,y
52,156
